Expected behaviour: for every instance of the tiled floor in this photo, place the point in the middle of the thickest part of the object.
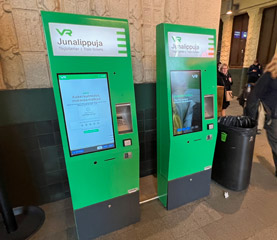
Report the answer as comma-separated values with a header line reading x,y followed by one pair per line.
x,y
247,215
148,187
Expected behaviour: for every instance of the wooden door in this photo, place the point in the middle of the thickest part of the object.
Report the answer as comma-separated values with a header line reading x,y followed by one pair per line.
x,y
239,37
268,36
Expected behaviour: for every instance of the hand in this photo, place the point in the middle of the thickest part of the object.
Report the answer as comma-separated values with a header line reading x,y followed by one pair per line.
x,y
254,70
230,79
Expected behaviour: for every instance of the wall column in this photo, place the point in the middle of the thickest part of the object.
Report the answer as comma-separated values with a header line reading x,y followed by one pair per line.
x,y
226,38
253,35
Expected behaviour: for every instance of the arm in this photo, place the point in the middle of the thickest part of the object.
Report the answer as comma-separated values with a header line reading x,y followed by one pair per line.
x,y
230,80
255,95
250,70
219,81
260,69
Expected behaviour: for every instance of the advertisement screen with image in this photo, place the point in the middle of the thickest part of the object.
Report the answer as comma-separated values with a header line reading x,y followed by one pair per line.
x,y
87,112
186,101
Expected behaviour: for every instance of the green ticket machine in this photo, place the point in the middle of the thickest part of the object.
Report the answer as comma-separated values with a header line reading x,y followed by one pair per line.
x,y
186,112
90,64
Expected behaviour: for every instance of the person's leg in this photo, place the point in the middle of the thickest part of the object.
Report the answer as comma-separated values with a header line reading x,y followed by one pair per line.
x,y
261,118
271,131
224,107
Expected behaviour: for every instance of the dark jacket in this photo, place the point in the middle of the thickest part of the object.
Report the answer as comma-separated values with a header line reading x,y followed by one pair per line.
x,y
254,76
265,90
223,80
242,98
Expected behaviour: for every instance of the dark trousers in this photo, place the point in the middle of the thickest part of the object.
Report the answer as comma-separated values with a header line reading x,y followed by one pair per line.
x,y
271,131
252,79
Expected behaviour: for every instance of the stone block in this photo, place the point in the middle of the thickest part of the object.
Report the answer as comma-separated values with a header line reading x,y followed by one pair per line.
x,y
2,84
226,39
158,4
154,60
29,4
136,39
148,30
100,7
158,17
148,75
49,5
119,9
8,36
148,62
171,11
137,70
147,15
254,26
82,7
187,16
36,70
148,48
28,29
13,72
68,6
135,12
147,3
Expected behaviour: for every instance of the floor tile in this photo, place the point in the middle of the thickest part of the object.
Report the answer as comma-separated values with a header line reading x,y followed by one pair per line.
x,y
180,223
199,234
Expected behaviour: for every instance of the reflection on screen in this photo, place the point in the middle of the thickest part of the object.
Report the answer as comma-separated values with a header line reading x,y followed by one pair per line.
x,y
186,101
87,112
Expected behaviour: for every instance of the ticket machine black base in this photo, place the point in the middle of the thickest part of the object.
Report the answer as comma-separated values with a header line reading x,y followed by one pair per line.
x,y
188,189
108,216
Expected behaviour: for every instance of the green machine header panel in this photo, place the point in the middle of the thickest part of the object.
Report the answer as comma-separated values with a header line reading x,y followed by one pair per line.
x,y
186,109
91,70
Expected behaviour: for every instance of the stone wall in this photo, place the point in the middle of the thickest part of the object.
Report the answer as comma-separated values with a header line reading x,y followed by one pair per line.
x,y
23,56
226,38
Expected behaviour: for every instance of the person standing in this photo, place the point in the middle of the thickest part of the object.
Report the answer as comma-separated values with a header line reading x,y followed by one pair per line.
x,y
265,90
225,80
254,72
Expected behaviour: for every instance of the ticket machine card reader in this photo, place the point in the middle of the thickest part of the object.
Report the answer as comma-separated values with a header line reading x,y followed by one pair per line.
x,y
209,111
209,106
124,122
124,118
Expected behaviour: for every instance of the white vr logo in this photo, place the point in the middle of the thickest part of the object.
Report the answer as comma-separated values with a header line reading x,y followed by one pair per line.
x,y
195,76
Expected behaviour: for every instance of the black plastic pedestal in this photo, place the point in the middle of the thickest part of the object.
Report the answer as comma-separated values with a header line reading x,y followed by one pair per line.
x,y
29,220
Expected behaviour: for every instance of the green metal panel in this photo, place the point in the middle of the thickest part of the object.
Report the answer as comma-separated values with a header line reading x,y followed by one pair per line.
x,y
186,154
91,178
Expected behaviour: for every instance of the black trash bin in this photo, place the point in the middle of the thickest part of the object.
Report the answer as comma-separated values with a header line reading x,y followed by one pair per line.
x,y
234,152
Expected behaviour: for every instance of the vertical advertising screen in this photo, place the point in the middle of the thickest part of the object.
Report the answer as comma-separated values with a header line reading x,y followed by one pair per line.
x,y
186,101
87,112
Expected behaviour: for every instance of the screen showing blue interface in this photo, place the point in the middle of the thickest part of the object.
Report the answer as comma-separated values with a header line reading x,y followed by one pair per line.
x,y
186,101
87,112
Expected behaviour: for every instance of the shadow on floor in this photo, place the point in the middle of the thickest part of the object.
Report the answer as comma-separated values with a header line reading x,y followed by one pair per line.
x,y
265,163
229,205
262,176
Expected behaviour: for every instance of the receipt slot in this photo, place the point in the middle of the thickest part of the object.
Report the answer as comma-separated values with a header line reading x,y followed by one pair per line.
x,y
90,64
186,112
